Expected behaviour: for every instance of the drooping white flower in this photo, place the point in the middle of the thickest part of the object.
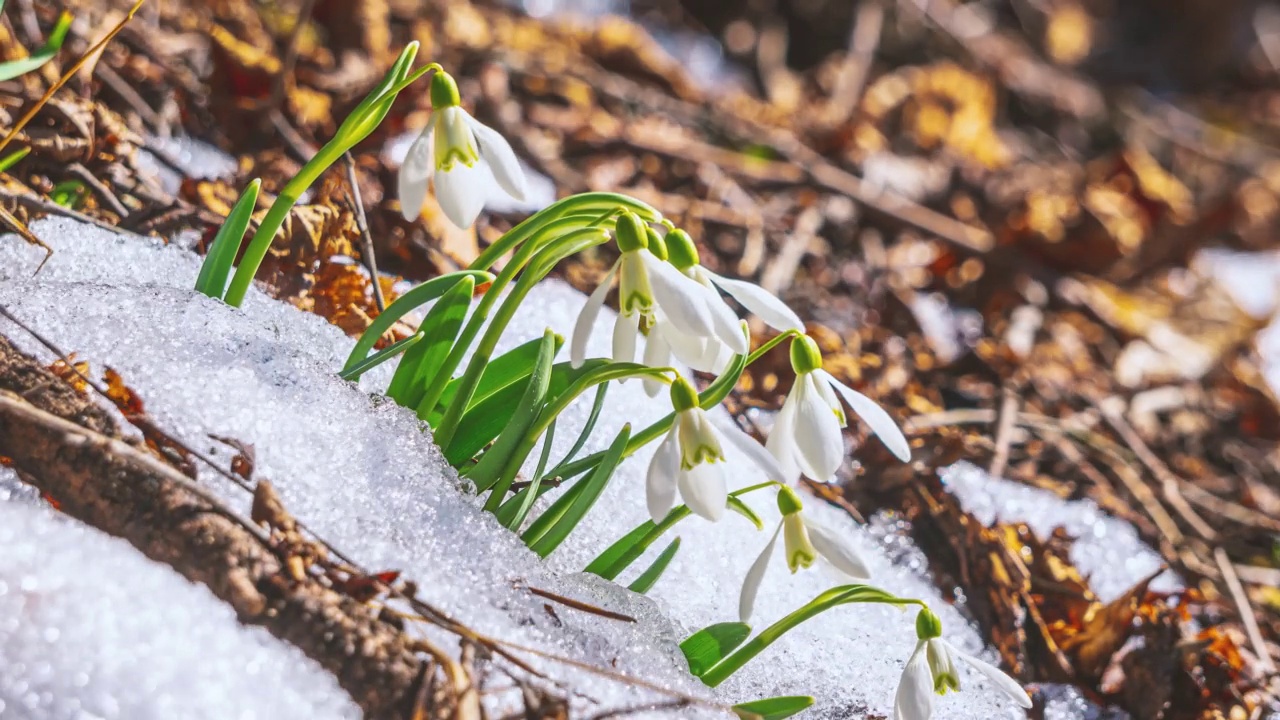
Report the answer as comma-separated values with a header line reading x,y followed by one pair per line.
x,y
648,285
461,155
804,542
806,435
931,671
691,461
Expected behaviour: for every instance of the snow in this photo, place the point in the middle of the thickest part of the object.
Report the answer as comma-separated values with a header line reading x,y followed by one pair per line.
x,y
78,642
365,475
1107,551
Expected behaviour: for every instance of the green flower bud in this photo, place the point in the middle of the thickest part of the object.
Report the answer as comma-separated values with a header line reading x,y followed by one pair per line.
x,y
928,625
657,245
805,355
683,395
681,250
788,502
444,91
630,232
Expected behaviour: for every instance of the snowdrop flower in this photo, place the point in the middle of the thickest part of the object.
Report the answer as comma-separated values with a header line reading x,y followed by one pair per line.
x,y
804,541
806,434
462,155
648,286
691,459
932,670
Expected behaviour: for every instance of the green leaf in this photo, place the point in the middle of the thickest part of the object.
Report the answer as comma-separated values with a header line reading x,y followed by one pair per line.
x,y
508,368
659,566
596,406
417,296
737,505
212,280
513,512
15,68
68,193
383,355
440,327
584,495
13,158
774,708
488,471
711,644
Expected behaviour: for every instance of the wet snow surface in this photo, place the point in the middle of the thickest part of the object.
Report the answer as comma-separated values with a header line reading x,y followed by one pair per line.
x,y
365,474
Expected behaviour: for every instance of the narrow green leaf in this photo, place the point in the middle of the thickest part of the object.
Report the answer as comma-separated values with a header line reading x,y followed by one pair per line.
x,y
774,708
508,368
13,158
383,355
596,406
440,328
417,296
488,471
603,564
654,571
68,194
592,485
737,505
15,68
711,644
212,280
513,512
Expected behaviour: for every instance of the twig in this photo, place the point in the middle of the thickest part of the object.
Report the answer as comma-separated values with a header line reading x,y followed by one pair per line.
x,y
864,40
104,192
579,605
25,233
290,60
1168,481
1247,616
362,224
302,150
1004,433
52,208
120,87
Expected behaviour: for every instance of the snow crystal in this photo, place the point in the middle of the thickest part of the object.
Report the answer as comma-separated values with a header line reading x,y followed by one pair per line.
x,y
1107,551
78,642
365,475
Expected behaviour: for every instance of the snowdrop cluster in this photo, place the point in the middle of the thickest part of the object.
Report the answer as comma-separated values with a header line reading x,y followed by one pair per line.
x,y
680,309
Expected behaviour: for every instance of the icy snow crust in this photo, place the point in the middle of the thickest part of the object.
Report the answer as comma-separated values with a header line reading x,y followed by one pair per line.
x,y
364,473
89,628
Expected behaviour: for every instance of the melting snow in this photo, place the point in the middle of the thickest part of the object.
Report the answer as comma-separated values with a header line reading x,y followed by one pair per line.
x,y
365,474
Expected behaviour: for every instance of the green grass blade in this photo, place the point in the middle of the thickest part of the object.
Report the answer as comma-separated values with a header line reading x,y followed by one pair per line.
x,y
513,512
711,644
774,708
659,566
16,68
592,485
13,158
489,470
403,305
596,406
212,280
507,369
440,327
383,355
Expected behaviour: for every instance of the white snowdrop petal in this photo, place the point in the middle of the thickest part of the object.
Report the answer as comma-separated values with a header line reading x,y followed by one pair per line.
x,y
751,584
781,442
660,482
748,446
497,152
461,191
879,421
728,326
914,700
625,330
759,302
703,489
837,550
414,176
587,319
998,678
683,301
657,353
819,445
